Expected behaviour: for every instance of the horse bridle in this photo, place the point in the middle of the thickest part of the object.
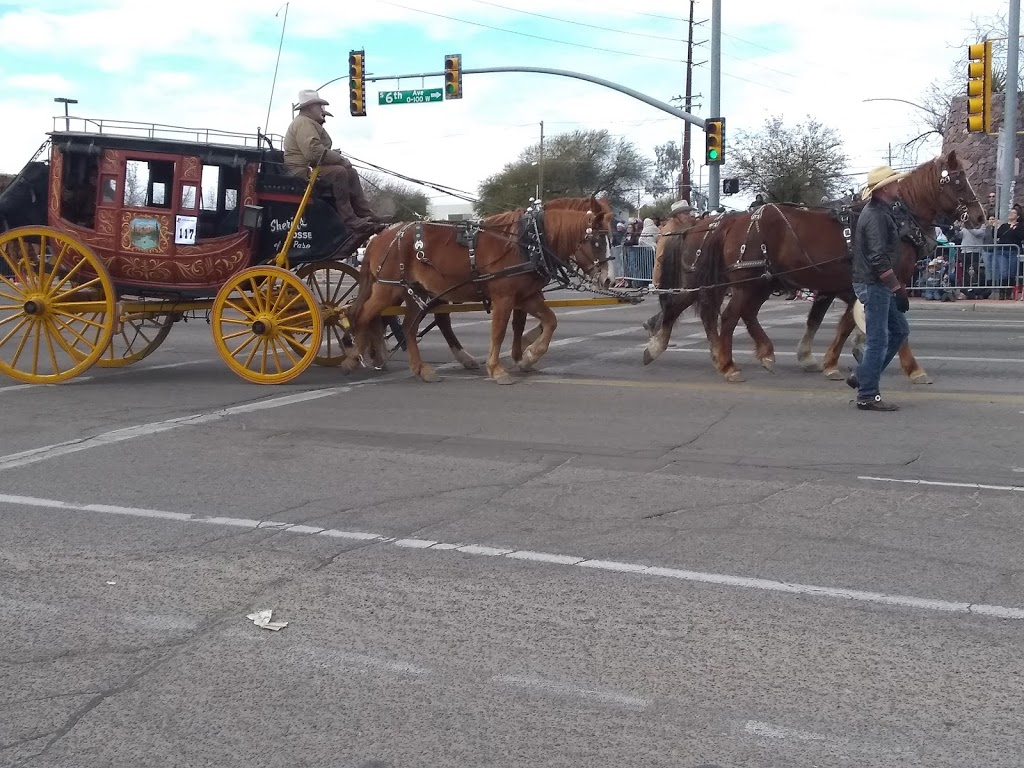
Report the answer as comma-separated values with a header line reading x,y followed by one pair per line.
x,y
957,178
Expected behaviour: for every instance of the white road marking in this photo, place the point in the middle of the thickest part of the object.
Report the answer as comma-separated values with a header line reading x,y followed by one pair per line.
x,y
943,484
940,358
635,569
564,689
769,731
113,372
47,452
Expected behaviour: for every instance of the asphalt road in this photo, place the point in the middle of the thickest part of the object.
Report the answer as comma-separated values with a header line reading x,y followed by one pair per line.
x,y
605,564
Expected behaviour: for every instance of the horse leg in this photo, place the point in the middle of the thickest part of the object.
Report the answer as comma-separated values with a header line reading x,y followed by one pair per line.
x,y
804,354
501,310
846,326
548,322
444,325
911,367
764,349
518,326
671,309
730,317
367,326
710,318
411,329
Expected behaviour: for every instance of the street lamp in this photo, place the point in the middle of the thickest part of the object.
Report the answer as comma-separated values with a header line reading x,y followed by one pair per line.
x,y
65,102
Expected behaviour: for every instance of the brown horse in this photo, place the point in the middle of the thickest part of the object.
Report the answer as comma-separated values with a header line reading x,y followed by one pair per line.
x,y
782,245
680,247
505,260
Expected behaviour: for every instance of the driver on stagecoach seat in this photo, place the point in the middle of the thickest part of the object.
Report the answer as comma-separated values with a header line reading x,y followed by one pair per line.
x,y
307,144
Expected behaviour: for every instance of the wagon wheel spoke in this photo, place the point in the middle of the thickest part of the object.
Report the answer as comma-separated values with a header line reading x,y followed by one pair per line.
x,y
256,320
62,300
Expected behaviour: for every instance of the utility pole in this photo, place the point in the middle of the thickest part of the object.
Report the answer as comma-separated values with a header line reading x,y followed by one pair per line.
x,y
684,173
540,172
714,185
890,154
1008,137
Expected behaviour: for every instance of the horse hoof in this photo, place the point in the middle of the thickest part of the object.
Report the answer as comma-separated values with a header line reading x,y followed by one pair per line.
x,y
429,375
648,357
735,377
810,366
834,374
768,364
920,378
467,360
504,379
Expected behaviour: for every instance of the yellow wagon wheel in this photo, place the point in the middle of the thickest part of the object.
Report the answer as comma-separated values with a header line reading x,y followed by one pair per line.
x,y
56,306
266,325
335,285
135,337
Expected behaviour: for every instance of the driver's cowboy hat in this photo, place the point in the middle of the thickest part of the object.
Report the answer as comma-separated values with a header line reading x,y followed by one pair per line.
x,y
308,98
879,177
680,206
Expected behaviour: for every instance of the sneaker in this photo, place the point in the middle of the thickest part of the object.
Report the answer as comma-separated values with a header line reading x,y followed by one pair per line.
x,y
852,381
876,404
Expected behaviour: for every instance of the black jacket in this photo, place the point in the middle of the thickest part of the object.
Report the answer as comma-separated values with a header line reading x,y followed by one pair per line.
x,y
876,243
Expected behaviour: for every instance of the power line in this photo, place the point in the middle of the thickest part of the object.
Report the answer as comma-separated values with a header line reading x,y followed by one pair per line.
x,y
578,23
527,34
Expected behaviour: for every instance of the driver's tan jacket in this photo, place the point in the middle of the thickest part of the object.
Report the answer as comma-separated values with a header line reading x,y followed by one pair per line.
x,y
307,144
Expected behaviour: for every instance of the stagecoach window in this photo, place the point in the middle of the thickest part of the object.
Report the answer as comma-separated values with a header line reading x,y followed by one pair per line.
x,y
188,197
146,183
211,188
109,187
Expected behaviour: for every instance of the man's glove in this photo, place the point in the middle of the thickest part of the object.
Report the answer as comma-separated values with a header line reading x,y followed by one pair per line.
x,y
902,300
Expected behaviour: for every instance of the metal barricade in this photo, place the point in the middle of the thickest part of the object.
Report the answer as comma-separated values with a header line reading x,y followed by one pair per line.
x,y
636,266
971,272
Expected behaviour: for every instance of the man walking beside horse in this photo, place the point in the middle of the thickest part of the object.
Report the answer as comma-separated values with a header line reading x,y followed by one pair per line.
x,y
876,252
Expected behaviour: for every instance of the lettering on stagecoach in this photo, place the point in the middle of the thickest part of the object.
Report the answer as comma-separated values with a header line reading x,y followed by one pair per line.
x,y
301,241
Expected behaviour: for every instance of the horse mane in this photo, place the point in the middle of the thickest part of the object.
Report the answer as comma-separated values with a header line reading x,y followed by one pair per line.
x,y
919,183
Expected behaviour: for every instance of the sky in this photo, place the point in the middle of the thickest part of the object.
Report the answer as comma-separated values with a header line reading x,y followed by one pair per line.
x,y
211,64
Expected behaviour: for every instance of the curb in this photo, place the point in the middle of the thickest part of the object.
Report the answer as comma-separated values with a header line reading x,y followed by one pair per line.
x,y
965,305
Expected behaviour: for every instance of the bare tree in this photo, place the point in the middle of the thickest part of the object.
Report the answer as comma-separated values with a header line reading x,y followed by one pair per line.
x,y
801,164
935,112
667,162
394,200
576,164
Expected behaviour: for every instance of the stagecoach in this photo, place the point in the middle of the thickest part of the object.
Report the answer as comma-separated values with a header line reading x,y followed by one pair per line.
x,y
117,230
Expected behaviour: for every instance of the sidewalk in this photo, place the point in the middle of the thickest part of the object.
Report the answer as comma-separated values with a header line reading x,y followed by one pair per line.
x,y
965,305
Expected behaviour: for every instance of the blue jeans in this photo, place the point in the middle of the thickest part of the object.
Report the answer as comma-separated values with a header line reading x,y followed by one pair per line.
x,y
886,329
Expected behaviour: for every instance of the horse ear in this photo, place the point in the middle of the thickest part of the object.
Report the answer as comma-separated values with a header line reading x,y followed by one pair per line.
x,y
951,159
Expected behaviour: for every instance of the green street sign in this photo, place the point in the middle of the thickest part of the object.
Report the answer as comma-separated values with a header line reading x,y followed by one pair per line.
x,y
420,96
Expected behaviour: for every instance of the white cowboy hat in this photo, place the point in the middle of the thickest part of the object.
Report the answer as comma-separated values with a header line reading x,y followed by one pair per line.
x,y
680,206
307,97
879,177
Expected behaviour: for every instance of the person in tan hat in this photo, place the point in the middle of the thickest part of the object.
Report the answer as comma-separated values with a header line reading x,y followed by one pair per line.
x,y
307,144
876,252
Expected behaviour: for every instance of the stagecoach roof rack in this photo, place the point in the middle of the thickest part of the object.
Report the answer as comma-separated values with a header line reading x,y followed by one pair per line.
x,y
84,126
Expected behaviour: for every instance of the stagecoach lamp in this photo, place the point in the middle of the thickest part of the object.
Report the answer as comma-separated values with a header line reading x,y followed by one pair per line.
x,y
252,216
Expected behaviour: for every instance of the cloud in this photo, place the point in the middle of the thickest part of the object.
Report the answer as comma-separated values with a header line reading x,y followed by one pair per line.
x,y
201,63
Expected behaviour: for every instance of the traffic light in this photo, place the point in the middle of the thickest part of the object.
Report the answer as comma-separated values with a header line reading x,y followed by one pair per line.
x,y
453,76
714,137
979,87
357,83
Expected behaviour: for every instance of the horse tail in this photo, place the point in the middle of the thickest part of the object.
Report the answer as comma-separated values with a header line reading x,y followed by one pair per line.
x,y
671,261
365,289
708,272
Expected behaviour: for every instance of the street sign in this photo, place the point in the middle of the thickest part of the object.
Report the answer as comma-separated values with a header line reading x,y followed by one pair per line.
x,y
420,96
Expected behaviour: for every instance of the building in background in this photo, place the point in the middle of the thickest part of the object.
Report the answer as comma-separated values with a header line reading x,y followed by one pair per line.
x,y
451,211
